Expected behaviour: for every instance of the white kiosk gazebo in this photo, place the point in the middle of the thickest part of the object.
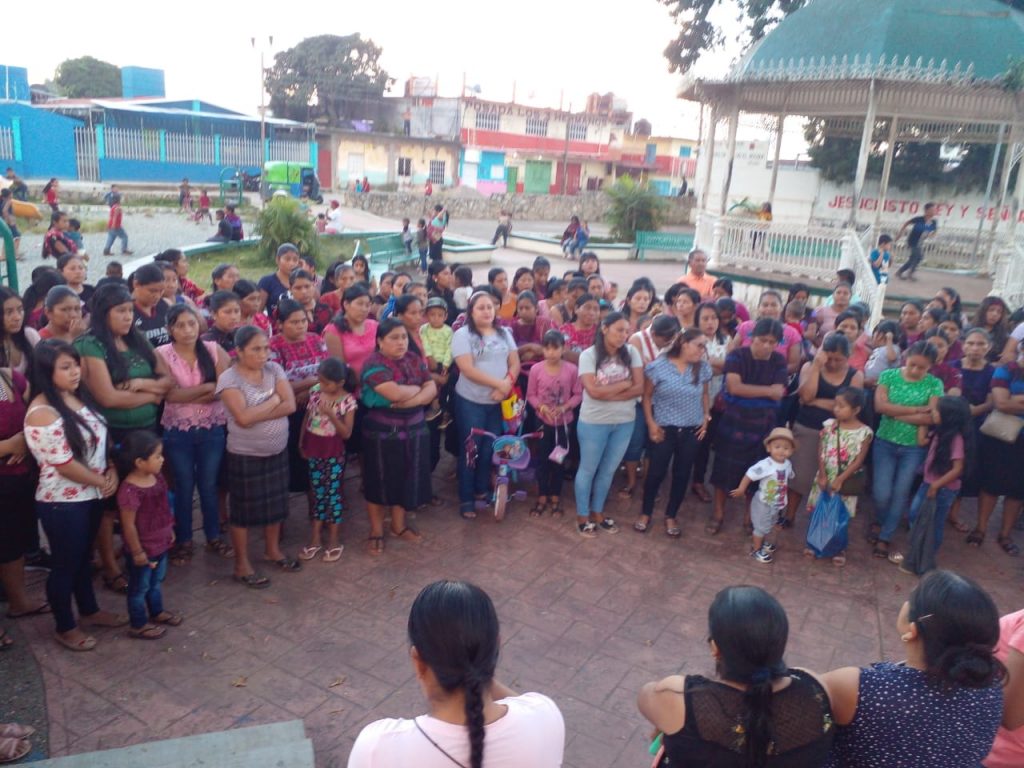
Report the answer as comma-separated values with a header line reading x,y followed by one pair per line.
x,y
888,71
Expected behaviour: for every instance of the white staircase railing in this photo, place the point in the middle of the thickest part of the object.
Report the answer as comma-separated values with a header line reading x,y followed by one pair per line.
x,y
786,249
857,256
1008,283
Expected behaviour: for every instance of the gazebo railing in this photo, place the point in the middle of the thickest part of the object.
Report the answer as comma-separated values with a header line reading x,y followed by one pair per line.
x,y
1008,283
949,248
789,249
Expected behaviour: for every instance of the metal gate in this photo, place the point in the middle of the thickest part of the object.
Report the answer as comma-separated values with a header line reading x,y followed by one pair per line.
x,y
86,155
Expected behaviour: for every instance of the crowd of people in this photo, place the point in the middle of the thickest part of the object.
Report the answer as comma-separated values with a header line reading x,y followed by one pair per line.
x,y
255,391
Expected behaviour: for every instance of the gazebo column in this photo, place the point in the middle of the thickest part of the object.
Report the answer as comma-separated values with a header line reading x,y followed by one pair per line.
x,y
780,122
883,191
988,189
1006,250
707,158
1004,189
865,151
730,154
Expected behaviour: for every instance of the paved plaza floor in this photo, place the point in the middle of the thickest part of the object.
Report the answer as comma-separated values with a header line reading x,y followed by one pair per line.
x,y
585,621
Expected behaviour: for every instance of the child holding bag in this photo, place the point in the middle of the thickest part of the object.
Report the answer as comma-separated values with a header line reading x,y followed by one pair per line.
x,y
842,450
554,391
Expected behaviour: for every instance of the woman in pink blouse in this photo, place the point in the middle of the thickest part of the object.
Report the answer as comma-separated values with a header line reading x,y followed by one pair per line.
x,y
68,440
195,429
351,336
770,306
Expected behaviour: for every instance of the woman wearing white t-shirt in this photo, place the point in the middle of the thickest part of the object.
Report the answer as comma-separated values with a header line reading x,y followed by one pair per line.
x,y
474,720
613,378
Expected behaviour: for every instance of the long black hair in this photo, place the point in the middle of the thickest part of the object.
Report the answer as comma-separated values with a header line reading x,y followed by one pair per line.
x,y
138,445
43,279
207,366
959,627
103,301
750,629
353,292
44,362
18,338
600,347
685,337
954,419
433,270
454,628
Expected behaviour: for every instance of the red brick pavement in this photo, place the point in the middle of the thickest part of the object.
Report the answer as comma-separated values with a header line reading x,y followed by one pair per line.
x,y
585,621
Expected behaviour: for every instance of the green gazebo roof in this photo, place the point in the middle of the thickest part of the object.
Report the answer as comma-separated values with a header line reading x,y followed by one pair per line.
x,y
905,39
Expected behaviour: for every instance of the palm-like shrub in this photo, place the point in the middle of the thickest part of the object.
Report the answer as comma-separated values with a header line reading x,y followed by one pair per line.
x,y
633,208
284,221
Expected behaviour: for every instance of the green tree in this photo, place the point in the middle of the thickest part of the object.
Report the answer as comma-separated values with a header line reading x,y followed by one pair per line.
x,y
327,76
282,220
88,78
633,207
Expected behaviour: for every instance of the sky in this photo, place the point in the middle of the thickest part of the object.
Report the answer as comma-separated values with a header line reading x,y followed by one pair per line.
x,y
550,49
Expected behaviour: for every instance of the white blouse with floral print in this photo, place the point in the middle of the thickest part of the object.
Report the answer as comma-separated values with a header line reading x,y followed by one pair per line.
x,y
49,445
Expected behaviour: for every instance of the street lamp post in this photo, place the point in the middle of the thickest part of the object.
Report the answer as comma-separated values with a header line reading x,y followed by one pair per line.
x,y
263,107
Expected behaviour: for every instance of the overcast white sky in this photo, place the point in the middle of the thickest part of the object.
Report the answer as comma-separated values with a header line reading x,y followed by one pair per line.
x,y
545,46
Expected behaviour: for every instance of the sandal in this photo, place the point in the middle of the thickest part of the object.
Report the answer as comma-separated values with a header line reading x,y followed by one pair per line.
x,y
220,547
38,611
87,643
6,641
308,553
1008,546
975,538
467,513
672,531
407,534
713,526
839,560
556,509
13,749
375,545
538,510
333,554
253,580
287,564
625,492
147,632
701,492
182,553
896,558
117,584
168,618
16,731
643,524
959,525
881,550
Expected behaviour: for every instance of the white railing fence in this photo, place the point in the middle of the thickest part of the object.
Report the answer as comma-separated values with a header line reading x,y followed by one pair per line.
x,y
1009,273
790,249
185,148
128,144
290,151
948,248
238,151
6,143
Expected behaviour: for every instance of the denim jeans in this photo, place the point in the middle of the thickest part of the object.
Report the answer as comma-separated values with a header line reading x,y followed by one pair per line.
x,y
944,499
549,474
486,416
145,599
423,259
679,448
602,447
71,529
638,440
116,234
895,467
195,457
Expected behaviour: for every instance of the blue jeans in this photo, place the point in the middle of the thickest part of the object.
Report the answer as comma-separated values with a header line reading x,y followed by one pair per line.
x,y
195,456
71,529
116,234
944,499
468,415
894,469
423,259
602,447
638,440
144,589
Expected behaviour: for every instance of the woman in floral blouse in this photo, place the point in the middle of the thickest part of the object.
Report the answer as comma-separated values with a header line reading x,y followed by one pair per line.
x,y
68,438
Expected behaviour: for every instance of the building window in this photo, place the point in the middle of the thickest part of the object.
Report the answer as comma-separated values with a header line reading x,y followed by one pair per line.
x,y
536,126
488,121
405,166
437,172
577,131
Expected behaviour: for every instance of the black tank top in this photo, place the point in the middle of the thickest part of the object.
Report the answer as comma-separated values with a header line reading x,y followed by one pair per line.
x,y
712,734
811,415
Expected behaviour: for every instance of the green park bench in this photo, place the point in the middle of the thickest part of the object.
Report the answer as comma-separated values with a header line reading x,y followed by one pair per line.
x,y
389,251
672,242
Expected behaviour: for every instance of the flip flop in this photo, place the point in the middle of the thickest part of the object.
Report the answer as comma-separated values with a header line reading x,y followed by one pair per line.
x,y
287,564
308,553
673,532
713,526
118,584
168,618
13,749
375,545
407,534
87,643
42,609
333,554
147,632
253,580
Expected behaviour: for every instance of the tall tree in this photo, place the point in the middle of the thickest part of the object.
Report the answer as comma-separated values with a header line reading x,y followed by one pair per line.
x,y
88,78
328,76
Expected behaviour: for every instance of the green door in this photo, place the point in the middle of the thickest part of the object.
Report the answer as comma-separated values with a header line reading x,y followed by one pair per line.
x,y
538,177
511,177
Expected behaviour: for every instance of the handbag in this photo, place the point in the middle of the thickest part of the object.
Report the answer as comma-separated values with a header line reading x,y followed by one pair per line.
x,y
1002,426
559,452
855,483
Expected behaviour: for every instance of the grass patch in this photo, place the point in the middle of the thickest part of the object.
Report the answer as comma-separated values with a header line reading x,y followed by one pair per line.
x,y
252,265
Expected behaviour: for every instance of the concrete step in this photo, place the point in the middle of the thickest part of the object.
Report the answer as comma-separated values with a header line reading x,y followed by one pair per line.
x,y
277,745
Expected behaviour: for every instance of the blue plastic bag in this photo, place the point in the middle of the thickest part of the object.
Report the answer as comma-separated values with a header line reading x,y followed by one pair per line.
x,y
828,533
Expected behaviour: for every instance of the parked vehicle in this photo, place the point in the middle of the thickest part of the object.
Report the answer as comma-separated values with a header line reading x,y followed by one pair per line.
x,y
296,179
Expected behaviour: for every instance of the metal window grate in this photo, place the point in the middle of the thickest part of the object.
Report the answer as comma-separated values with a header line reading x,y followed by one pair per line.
x,y
536,126
577,131
487,121
437,172
405,166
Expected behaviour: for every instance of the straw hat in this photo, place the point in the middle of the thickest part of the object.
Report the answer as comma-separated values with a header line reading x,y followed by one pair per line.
x,y
780,433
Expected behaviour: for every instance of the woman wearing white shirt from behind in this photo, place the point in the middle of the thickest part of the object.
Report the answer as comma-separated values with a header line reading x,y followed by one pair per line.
x,y
474,720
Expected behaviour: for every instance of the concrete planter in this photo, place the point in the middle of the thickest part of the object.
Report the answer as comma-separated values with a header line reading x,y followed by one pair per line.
x,y
546,245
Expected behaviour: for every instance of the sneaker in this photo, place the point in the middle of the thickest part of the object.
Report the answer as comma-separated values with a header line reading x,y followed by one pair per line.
x,y
587,530
608,526
769,548
761,555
